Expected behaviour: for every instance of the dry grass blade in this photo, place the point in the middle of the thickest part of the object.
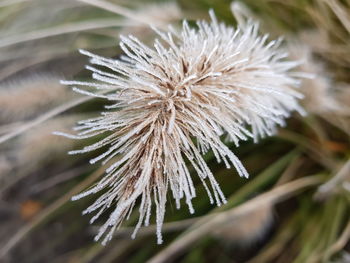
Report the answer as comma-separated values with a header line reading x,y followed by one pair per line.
x,y
50,114
340,11
26,97
116,9
44,215
317,153
37,144
272,196
290,171
326,189
60,30
277,245
21,65
6,128
54,112
58,179
12,2
341,242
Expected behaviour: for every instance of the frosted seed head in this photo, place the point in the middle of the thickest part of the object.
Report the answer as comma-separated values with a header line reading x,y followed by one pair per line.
x,y
194,84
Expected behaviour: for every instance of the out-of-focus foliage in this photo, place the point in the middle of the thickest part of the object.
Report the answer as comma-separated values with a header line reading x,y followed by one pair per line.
x,y
293,208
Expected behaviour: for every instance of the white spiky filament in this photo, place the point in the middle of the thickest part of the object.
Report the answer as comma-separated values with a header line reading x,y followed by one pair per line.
x,y
173,102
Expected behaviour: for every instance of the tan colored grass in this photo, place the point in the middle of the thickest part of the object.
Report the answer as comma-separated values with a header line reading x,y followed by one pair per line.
x,y
39,144
319,88
27,97
247,228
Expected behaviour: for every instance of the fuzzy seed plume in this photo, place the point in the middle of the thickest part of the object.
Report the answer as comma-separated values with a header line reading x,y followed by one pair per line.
x,y
27,97
318,89
171,103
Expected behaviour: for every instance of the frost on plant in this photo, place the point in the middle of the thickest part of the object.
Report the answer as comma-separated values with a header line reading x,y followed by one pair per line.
x,y
172,103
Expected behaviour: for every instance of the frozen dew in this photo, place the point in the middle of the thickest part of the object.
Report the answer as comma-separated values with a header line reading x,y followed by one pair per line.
x,y
171,104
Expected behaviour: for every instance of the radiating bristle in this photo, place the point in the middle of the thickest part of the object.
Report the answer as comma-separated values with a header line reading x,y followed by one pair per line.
x,y
195,84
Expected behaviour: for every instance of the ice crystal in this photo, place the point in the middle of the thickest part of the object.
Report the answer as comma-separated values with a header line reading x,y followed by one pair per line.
x,y
174,102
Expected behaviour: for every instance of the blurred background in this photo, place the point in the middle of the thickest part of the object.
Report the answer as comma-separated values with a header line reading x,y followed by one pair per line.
x,y
293,208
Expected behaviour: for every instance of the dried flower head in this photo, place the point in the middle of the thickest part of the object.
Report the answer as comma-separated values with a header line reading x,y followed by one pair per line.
x,y
318,90
33,94
40,145
173,103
